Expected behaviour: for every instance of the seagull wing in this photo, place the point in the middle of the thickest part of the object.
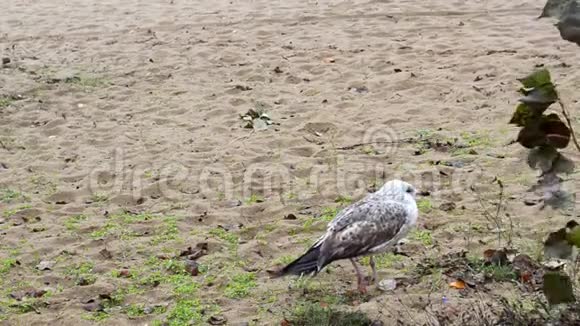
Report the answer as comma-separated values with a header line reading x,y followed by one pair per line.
x,y
363,228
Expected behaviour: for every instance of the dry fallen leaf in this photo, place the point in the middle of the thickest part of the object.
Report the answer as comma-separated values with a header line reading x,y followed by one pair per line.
x,y
459,284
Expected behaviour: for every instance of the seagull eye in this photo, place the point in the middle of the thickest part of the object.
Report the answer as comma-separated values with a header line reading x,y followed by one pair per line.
x,y
409,190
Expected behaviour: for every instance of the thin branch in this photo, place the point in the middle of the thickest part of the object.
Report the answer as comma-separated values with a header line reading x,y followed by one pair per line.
x,y
405,140
567,117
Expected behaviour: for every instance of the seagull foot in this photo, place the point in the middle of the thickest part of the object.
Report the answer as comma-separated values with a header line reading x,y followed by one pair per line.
x,y
362,288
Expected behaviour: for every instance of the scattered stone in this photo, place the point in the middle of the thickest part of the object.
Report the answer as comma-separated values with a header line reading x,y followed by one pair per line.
x,y
45,265
200,249
192,267
360,89
106,253
447,207
530,202
217,320
93,306
387,285
290,217
5,60
233,203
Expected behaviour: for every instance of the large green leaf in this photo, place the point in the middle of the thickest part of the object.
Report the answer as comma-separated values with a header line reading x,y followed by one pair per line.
x,y
536,79
522,115
544,130
558,288
573,234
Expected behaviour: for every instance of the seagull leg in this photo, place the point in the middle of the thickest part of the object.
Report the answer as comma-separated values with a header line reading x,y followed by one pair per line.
x,y
374,277
360,278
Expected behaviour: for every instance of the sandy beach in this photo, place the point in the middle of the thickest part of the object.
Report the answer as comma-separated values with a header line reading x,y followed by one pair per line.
x,y
122,145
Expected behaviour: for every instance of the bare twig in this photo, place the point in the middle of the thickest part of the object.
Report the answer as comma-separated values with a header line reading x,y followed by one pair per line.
x,y
405,140
569,122
494,219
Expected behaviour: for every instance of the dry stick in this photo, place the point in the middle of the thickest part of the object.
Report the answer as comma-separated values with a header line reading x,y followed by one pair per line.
x,y
391,142
567,117
495,220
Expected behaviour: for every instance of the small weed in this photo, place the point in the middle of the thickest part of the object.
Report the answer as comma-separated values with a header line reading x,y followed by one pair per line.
x,y
329,213
5,101
498,273
6,265
148,174
423,236
9,195
99,197
284,260
369,150
184,285
135,310
474,139
129,218
291,196
110,228
170,231
222,234
241,285
254,199
343,200
269,227
424,205
87,81
72,222
310,313
186,312
96,316
12,212
82,273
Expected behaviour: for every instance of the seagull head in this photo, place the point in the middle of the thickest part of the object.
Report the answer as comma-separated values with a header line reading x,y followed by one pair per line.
x,y
399,190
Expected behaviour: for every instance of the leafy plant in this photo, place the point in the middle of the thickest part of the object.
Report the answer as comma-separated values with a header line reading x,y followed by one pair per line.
x,y
241,285
544,134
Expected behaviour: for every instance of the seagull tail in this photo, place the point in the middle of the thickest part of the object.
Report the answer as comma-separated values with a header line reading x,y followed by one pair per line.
x,y
304,265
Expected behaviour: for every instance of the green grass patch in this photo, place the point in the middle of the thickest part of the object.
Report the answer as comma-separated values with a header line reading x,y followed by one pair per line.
x,y
11,212
82,273
475,139
186,312
498,273
5,101
343,200
240,285
254,199
6,265
169,230
87,81
99,197
222,234
423,236
73,222
9,195
284,260
424,205
312,313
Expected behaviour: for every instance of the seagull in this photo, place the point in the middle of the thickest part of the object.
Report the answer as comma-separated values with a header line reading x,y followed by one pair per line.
x,y
373,225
